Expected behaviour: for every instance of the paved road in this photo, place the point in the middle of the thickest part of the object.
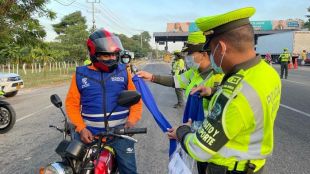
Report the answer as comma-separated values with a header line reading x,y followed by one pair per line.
x,y
30,144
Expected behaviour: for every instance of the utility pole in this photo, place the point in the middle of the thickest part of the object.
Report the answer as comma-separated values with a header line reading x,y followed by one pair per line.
x,y
156,50
141,40
93,12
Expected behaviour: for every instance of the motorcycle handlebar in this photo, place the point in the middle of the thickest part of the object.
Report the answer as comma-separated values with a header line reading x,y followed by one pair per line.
x,y
125,131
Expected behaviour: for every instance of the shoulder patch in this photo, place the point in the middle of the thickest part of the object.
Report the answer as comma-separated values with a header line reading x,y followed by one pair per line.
x,y
232,82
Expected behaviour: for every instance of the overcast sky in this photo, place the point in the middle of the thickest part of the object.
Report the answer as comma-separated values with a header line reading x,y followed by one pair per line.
x,y
131,16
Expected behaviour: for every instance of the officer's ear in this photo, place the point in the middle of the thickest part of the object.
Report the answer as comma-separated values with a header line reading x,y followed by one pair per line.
x,y
222,47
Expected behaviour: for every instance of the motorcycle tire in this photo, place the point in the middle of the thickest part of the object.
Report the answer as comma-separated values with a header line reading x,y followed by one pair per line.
x,y
6,112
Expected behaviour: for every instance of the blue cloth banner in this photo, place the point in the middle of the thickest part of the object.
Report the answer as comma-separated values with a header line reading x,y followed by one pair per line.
x,y
150,103
193,109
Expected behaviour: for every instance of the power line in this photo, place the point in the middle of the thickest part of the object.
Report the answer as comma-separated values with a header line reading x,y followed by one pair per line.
x,y
117,20
117,24
70,3
115,17
114,25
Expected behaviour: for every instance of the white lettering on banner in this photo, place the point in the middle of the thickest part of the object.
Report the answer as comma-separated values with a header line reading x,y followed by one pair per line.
x,y
117,79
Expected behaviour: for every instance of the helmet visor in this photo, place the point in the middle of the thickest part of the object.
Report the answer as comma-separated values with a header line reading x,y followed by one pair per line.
x,y
108,45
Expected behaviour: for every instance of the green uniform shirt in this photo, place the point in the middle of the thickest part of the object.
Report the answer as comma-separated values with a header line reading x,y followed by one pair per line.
x,y
192,78
240,120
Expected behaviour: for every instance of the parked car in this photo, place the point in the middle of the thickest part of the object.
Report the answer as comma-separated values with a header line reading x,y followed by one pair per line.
x,y
10,83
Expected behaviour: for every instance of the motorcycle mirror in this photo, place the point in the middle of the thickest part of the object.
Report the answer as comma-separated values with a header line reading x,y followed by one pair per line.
x,y
55,99
128,98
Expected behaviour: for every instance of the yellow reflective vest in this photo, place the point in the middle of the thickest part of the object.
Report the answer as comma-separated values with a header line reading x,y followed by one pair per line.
x,y
285,57
178,66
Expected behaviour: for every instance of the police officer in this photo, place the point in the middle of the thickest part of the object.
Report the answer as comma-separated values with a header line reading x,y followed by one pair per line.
x,y
284,58
199,72
237,133
87,61
178,67
303,56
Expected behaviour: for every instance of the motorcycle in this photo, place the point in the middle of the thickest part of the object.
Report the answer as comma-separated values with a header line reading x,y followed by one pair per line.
x,y
7,116
96,157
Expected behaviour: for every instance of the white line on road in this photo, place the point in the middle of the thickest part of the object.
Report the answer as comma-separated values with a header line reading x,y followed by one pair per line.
x,y
32,114
297,82
296,110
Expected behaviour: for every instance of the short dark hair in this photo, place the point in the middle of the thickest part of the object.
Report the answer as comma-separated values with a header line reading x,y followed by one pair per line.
x,y
240,38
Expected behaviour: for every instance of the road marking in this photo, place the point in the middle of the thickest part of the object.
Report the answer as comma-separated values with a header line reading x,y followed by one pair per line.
x,y
296,82
296,110
32,114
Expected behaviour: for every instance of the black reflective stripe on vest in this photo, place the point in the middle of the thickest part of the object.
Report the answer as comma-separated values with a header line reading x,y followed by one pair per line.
x,y
211,134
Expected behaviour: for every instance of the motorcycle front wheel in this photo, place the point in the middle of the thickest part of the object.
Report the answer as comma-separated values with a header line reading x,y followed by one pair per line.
x,y
7,118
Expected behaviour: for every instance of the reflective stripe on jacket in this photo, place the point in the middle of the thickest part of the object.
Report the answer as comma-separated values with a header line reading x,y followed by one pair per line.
x,y
80,102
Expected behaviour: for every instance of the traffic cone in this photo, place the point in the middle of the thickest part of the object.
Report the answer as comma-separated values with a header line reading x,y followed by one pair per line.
x,y
295,64
290,66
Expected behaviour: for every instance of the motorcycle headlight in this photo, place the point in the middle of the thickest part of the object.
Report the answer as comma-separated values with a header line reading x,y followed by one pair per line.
x,y
57,168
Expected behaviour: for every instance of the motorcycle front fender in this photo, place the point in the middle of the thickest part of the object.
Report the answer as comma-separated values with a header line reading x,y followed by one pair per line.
x,y
105,164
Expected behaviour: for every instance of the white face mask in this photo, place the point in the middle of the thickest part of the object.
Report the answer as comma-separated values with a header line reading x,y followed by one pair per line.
x,y
125,60
191,63
216,68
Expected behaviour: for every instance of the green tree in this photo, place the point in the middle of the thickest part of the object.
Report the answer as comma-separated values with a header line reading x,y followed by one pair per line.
x,y
307,24
10,53
18,24
134,44
19,29
72,35
55,51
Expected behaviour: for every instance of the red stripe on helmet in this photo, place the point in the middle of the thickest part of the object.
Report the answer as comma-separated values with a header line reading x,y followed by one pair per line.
x,y
106,33
91,47
111,43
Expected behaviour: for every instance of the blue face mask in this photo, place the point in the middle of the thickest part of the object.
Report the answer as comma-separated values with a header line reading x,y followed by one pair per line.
x,y
216,68
191,63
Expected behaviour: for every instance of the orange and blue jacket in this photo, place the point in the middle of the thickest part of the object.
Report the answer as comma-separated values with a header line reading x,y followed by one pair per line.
x,y
73,104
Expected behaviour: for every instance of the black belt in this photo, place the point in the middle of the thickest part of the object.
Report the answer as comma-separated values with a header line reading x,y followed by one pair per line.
x,y
210,168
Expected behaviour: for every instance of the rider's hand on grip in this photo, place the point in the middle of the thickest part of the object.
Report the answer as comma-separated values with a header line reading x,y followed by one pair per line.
x,y
129,125
86,136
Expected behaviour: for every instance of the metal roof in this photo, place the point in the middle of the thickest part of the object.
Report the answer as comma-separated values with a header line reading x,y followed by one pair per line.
x,y
182,36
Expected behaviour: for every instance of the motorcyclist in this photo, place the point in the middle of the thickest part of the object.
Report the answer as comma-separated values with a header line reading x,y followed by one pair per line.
x,y
93,95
